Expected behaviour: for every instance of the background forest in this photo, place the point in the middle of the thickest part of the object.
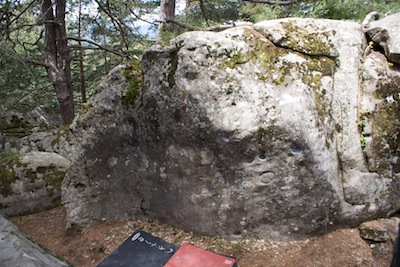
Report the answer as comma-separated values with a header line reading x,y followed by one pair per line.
x,y
53,53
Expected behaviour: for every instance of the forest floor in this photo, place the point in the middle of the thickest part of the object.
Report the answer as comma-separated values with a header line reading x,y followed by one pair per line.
x,y
340,248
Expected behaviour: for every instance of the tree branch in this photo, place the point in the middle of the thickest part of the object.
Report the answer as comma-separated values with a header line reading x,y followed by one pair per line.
x,y
23,11
181,24
222,27
215,28
36,62
138,17
118,24
126,55
99,46
271,2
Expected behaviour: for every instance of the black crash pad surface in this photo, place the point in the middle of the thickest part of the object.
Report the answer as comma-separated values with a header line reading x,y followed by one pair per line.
x,y
141,249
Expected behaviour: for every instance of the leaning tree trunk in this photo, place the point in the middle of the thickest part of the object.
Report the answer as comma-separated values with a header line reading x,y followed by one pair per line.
x,y
57,59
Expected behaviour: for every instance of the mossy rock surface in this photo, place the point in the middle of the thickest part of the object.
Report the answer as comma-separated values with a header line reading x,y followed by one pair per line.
x,y
385,120
7,172
134,76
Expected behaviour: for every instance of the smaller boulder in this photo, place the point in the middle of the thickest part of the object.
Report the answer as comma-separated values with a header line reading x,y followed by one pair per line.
x,y
385,32
31,182
36,160
374,231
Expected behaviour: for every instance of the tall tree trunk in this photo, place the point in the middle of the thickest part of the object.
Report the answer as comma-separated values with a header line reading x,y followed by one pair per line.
x,y
57,58
81,67
187,7
167,12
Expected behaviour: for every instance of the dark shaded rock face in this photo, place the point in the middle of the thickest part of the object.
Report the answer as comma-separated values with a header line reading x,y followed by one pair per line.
x,y
270,130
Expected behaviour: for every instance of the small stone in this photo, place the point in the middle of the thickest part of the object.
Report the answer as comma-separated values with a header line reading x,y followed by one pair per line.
x,y
374,231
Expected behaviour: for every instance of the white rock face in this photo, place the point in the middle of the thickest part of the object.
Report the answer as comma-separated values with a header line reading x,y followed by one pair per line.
x,y
257,130
37,159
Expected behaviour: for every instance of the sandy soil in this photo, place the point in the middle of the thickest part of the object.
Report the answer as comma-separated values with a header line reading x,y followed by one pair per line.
x,y
341,248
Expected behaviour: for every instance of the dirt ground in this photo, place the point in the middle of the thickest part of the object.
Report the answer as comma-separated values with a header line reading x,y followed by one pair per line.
x,y
340,248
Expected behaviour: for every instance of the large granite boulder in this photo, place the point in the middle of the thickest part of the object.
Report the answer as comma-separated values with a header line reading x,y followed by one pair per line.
x,y
280,130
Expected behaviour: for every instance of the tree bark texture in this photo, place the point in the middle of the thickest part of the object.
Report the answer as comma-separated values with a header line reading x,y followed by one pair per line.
x,y
272,2
167,12
81,67
57,58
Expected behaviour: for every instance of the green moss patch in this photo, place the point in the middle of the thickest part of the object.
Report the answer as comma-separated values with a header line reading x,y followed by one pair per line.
x,y
134,77
272,68
53,181
263,53
7,173
300,39
311,76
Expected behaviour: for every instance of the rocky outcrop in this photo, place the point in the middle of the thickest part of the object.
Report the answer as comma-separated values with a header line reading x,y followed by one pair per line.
x,y
17,250
280,130
31,182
